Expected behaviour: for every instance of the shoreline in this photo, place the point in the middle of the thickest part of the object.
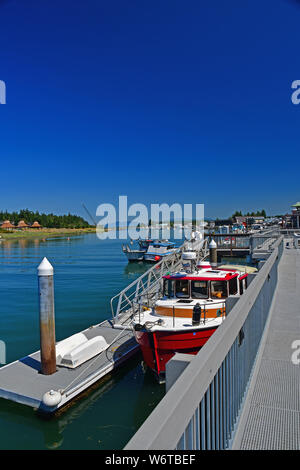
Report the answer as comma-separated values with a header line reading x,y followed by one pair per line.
x,y
44,233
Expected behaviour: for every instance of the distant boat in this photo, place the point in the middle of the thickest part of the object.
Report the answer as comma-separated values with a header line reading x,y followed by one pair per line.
x,y
138,253
158,250
149,250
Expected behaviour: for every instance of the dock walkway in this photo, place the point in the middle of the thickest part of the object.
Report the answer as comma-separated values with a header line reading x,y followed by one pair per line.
x,y
271,414
21,381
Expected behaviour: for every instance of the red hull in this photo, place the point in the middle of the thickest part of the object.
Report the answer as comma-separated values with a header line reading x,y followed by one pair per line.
x,y
159,347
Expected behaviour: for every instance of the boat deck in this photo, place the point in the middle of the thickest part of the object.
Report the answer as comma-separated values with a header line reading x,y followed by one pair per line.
x,y
271,416
22,382
177,323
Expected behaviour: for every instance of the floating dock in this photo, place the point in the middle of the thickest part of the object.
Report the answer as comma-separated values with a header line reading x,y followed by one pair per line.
x,y
22,382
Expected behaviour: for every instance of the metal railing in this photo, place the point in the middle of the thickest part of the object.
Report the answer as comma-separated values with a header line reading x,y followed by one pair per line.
x,y
240,241
264,240
147,288
220,313
201,409
289,232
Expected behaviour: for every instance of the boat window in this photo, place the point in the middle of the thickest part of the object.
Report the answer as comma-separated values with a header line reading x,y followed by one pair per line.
x,y
241,286
168,288
233,286
218,289
199,289
182,288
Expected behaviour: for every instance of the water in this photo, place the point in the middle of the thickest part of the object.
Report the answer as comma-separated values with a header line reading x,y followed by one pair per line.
x,y
88,272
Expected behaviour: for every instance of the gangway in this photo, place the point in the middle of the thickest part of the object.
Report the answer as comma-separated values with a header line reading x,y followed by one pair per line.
x,y
145,290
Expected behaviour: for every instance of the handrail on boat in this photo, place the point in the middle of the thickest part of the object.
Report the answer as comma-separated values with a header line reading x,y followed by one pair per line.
x,y
221,309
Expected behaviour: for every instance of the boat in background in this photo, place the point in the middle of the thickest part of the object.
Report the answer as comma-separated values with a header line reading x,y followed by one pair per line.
x,y
138,253
158,250
149,250
190,310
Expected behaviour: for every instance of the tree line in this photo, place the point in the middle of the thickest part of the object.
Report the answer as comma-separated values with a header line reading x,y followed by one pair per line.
x,y
46,220
261,213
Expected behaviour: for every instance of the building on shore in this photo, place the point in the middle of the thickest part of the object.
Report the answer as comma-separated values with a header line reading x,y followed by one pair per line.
x,y
36,225
295,216
6,225
292,220
22,225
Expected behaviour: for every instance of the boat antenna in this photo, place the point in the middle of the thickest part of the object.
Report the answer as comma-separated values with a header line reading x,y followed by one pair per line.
x,y
89,214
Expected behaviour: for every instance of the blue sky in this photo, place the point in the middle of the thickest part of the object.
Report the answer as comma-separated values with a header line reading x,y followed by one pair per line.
x,y
162,101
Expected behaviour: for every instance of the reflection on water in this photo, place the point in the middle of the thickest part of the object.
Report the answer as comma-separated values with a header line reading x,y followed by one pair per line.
x,y
22,243
103,417
136,269
56,425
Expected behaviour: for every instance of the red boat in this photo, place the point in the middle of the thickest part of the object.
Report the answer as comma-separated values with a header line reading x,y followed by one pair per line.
x,y
188,313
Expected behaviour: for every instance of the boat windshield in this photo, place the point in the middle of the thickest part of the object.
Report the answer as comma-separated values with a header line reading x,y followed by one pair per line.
x,y
182,289
199,289
168,288
233,286
218,289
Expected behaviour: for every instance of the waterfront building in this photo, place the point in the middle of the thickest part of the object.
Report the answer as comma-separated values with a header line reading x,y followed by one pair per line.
x,y
295,216
36,225
6,225
22,225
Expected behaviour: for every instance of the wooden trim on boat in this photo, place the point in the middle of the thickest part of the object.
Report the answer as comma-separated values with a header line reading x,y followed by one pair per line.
x,y
188,312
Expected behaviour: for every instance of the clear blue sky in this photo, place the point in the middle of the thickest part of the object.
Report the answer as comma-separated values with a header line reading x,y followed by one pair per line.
x,y
163,101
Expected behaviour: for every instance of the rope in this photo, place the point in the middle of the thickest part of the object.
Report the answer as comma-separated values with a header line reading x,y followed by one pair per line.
x,y
93,362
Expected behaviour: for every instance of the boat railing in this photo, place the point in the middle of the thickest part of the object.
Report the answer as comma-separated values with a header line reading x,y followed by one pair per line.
x,y
147,288
221,312
141,307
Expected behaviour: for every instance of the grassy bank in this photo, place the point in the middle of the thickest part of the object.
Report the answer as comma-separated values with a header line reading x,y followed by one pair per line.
x,y
44,233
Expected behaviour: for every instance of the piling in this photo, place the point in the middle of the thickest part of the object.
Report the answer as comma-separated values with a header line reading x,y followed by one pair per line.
x,y
47,322
213,253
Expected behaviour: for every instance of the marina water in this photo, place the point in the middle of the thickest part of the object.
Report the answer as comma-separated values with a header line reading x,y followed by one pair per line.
x,y
88,272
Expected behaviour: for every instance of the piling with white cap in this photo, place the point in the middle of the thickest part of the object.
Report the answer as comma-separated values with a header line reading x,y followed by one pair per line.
x,y
47,322
213,253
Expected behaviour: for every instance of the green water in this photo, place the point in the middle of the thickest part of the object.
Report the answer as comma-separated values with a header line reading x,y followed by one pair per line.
x,y
88,272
